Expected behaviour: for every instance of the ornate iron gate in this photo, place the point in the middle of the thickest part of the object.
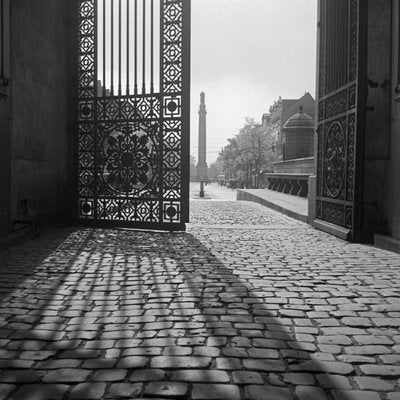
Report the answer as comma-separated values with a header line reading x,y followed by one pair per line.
x,y
5,148
341,108
134,76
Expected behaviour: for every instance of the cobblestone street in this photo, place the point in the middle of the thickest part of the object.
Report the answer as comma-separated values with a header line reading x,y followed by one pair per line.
x,y
247,304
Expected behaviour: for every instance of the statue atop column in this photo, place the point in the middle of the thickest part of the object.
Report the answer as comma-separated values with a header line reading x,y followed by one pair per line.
x,y
202,146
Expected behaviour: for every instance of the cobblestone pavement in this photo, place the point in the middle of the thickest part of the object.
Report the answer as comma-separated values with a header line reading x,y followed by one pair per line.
x,y
248,304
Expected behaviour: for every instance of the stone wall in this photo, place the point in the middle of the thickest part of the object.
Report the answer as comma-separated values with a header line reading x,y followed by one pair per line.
x,y
43,111
377,131
299,166
392,193
299,143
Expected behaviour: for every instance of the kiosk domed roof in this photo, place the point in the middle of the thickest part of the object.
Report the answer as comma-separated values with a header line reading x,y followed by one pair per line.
x,y
299,120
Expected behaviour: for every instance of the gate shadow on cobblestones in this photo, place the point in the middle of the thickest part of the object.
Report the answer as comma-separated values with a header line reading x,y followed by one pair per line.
x,y
122,314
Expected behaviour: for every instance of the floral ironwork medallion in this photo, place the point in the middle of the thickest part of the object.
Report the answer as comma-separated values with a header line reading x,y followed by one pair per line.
x,y
129,158
334,159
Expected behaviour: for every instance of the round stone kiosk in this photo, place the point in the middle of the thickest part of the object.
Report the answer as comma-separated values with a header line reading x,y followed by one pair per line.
x,y
298,136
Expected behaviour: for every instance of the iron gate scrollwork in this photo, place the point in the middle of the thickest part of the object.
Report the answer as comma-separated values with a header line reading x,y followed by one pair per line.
x,y
133,139
340,97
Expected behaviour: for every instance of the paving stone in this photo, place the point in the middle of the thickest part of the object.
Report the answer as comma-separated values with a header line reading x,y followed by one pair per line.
x,y
213,391
66,375
132,362
388,371
356,359
16,364
372,339
177,362
5,390
207,351
333,381
299,378
145,375
265,365
200,376
343,331
228,363
357,322
324,366
235,352
124,390
216,341
391,322
295,296
335,339
246,377
138,351
109,375
310,393
173,390
36,355
263,392
390,359
39,392
177,351
58,364
370,383
81,354
367,350
355,395
86,391
263,353
99,363
20,376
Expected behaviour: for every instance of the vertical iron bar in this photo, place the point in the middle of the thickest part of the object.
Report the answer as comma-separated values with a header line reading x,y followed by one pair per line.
x,y
152,48
95,106
127,47
344,52
327,46
2,39
329,65
112,48
144,48
136,77
161,120
342,34
104,48
185,166
119,48
337,34
348,50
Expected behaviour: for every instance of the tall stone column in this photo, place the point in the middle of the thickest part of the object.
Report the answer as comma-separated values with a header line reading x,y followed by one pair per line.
x,y
202,162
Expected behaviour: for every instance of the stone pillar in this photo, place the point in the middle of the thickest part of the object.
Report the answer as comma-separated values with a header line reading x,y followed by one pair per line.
x,y
202,163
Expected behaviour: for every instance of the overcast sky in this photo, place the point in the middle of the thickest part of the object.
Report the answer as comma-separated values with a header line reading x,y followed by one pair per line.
x,y
245,54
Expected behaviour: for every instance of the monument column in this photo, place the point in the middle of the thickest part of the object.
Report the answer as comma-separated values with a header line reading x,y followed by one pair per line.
x,y
202,162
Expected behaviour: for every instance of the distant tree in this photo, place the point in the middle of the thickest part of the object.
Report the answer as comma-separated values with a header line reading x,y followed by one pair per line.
x,y
215,169
247,153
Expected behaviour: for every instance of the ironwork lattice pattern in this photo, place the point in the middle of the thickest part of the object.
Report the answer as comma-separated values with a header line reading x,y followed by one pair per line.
x,y
337,111
132,149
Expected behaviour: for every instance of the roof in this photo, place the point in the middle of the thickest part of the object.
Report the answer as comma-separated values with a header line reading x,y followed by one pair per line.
x,y
299,120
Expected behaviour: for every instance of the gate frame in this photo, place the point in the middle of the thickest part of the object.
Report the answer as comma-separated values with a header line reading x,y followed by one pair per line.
x,y
355,232
185,141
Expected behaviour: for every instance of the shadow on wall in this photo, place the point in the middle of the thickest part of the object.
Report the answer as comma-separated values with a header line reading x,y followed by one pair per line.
x,y
95,314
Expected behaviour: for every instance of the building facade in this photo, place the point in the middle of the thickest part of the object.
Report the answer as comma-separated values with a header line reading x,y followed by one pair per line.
x,y
278,115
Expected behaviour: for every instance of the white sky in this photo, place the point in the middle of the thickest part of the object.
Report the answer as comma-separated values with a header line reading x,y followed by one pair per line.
x,y
245,54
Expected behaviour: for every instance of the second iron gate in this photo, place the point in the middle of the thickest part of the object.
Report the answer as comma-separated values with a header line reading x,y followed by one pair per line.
x,y
133,139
